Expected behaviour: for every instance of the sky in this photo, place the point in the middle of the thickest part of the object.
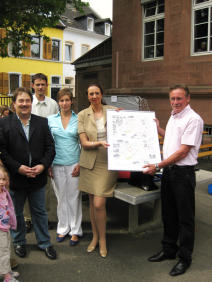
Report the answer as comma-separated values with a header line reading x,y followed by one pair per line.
x,y
102,7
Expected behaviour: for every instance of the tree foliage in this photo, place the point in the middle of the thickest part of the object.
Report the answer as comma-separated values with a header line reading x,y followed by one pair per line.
x,y
20,17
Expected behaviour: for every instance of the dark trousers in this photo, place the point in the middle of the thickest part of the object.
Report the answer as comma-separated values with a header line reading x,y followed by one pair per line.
x,y
178,210
39,216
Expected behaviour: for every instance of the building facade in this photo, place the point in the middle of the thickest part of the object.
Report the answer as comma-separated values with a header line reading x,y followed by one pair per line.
x,y
82,33
41,56
75,34
93,67
165,42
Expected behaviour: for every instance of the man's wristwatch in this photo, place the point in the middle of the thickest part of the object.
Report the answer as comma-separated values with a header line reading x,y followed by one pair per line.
x,y
157,168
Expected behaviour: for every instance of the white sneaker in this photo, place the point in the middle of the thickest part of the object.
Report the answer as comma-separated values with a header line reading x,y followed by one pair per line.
x,y
10,279
14,274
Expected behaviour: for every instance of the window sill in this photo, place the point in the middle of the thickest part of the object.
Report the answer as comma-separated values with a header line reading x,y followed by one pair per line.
x,y
152,59
201,53
40,59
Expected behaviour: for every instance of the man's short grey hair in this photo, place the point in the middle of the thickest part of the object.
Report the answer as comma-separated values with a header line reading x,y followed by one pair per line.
x,y
180,86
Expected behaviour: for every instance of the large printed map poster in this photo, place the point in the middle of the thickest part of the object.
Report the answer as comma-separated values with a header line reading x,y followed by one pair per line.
x,y
133,140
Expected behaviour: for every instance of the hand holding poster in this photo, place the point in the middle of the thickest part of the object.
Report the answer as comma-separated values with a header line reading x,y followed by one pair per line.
x,y
133,140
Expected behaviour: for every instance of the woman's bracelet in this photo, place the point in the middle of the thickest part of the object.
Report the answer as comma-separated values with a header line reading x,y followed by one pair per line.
x,y
92,143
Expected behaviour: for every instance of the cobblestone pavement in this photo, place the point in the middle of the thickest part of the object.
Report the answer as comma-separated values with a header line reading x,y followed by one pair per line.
x,y
128,253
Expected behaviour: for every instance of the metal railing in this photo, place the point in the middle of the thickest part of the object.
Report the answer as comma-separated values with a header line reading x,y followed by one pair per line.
x,y
5,101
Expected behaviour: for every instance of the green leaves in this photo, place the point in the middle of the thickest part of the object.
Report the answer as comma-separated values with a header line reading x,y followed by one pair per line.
x,y
19,17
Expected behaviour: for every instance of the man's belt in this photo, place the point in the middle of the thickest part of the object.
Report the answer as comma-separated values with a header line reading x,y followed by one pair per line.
x,y
171,167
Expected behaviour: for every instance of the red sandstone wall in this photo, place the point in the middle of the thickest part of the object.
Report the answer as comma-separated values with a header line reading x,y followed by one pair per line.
x,y
177,66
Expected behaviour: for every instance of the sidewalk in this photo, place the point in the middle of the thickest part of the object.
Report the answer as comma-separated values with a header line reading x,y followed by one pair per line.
x,y
127,253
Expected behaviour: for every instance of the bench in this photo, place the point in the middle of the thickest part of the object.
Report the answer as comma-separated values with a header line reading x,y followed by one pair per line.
x,y
135,196
205,153
205,146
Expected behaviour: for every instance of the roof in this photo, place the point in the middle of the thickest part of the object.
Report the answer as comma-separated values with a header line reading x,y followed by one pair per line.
x,y
103,51
107,20
75,19
60,25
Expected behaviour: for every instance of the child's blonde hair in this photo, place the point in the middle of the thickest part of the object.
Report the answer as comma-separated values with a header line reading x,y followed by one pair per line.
x,y
5,171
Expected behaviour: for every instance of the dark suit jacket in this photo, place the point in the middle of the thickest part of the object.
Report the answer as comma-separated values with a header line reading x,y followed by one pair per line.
x,y
15,150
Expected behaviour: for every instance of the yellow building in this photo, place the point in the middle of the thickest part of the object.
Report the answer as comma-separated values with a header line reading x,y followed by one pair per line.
x,y
39,57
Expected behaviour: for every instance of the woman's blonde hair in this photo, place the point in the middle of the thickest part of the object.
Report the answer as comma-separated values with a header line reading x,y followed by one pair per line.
x,y
5,171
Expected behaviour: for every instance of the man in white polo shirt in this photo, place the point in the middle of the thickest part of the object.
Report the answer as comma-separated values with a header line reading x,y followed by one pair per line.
x,y
42,105
182,140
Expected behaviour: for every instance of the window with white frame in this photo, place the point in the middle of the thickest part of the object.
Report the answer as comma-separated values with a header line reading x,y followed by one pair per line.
x,y
202,26
35,47
69,82
68,51
107,29
153,29
55,50
55,80
55,86
84,49
14,82
90,24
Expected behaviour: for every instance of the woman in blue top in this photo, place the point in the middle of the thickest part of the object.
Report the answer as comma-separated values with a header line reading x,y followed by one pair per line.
x,y
65,169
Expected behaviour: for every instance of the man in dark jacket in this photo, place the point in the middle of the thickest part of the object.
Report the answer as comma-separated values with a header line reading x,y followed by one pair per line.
x,y
27,150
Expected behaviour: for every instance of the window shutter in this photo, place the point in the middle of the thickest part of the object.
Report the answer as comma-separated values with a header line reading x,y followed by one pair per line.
x,y
4,86
5,83
44,49
47,49
1,82
26,81
27,51
2,33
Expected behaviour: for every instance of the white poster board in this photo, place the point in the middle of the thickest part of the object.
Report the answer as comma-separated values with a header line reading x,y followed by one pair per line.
x,y
133,140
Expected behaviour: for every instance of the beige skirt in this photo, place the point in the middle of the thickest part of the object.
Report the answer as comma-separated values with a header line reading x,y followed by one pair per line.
x,y
98,181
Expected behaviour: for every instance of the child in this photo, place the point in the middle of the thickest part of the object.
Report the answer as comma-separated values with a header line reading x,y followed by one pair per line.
x,y
7,221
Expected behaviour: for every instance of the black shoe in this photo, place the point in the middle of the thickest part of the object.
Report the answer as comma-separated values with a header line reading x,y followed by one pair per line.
x,y
20,250
50,252
160,257
179,268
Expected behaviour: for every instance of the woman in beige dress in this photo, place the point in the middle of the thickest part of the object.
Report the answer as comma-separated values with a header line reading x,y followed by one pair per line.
x,y
95,178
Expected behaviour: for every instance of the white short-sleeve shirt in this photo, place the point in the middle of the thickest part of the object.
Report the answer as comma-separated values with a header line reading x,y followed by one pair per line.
x,y
44,108
184,128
